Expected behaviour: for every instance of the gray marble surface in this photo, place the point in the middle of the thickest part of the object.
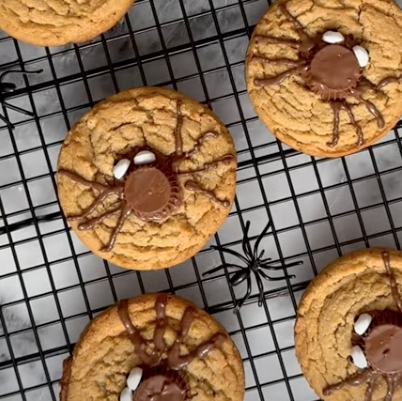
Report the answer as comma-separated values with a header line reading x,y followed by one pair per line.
x,y
298,189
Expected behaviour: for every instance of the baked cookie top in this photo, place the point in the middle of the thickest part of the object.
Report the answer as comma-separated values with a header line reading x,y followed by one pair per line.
x,y
59,22
325,77
349,328
155,215
164,335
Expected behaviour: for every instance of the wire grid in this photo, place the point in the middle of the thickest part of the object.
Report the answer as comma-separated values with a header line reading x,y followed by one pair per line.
x,y
51,285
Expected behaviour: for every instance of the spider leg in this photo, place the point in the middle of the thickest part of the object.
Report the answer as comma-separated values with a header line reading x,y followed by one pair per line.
x,y
226,160
336,108
18,109
96,220
267,39
278,79
9,125
278,61
177,130
195,187
392,381
103,195
370,107
125,212
260,289
246,243
391,276
269,278
270,267
227,265
359,378
231,252
95,185
260,237
371,387
18,72
246,296
387,81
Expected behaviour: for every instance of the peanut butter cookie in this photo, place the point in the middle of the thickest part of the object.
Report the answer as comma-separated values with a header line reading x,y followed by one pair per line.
x,y
147,177
348,332
326,76
59,22
154,347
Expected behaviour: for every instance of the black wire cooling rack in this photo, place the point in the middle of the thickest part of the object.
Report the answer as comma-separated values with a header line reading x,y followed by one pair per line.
x,y
51,286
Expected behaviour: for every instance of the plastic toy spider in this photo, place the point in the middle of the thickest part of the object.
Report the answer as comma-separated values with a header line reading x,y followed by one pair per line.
x,y
253,259
9,87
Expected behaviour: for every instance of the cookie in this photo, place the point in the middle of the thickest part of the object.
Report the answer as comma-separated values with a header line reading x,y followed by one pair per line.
x,y
59,22
326,77
349,328
158,347
147,177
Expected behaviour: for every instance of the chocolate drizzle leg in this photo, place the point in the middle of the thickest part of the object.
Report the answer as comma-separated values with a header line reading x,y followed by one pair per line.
x,y
306,43
159,377
381,345
225,160
124,213
394,286
177,131
370,107
337,107
281,77
330,70
355,380
200,141
195,187
388,80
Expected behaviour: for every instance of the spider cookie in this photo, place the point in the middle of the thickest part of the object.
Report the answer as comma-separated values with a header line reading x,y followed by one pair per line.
x,y
154,347
147,177
56,23
348,331
326,78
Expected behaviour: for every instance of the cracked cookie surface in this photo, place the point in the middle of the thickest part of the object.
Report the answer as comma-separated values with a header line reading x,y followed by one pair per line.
x,y
134,119
352,285
104,354
299,117
59,22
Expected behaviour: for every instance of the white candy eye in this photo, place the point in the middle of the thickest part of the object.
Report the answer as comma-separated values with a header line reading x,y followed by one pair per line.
x,y
120,169
144,157
362,323
126,395
362,55
134,378
358,357
332,37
